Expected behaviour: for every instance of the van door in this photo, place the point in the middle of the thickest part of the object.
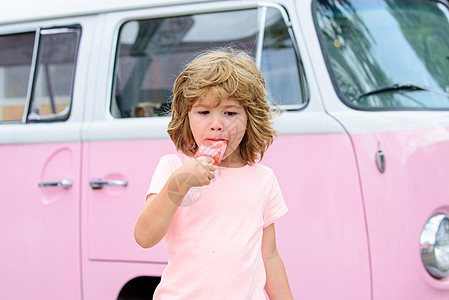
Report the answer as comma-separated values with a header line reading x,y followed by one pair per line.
x,y
40,150
389,66
128,132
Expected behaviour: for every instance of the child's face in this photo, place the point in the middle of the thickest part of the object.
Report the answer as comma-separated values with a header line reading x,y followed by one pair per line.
x,y
212,118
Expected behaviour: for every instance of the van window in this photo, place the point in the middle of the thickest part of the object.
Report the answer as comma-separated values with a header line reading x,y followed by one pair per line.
x,y
279,65
16,54
54,74
387,54
152,52
37,74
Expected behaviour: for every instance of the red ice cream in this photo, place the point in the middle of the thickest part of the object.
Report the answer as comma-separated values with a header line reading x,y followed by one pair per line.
x,y
212,148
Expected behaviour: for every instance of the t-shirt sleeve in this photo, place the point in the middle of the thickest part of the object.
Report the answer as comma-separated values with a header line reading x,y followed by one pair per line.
x,y
163,171
275,207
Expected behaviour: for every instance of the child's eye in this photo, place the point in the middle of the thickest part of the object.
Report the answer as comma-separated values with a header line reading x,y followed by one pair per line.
x,y
230,113
203,112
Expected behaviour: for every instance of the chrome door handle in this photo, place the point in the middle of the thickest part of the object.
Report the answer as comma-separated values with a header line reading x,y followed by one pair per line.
x,y
98,184
64,183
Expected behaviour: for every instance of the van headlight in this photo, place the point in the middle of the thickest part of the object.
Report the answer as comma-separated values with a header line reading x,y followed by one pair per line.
x,y
434,243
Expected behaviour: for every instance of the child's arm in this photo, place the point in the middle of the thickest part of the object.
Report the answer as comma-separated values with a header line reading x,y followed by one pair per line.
x,y
277,286
157,214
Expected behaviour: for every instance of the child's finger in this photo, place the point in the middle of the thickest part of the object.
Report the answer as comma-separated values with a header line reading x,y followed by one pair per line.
x,y
206,161
209,159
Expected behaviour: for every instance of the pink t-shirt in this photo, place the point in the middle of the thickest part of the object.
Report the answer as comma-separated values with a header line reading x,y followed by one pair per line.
x,y
214,241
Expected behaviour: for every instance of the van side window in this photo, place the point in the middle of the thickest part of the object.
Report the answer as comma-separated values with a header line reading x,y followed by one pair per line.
x,y
282,70
51,95
16,55
37,74
151,53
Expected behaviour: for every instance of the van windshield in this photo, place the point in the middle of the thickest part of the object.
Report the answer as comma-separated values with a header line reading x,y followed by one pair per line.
x,y
387,54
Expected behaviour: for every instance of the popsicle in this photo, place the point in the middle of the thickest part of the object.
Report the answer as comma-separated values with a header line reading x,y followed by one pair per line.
x,y
212,148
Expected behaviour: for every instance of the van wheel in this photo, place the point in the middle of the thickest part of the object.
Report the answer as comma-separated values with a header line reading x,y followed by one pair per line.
x,y
139,288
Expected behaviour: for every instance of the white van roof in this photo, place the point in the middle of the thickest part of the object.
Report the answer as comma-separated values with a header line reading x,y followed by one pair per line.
x,y
28,10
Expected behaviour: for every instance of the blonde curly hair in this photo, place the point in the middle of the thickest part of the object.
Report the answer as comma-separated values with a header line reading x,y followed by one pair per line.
x,y
228,73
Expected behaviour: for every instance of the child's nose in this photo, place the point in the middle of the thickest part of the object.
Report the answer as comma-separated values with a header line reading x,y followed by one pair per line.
x,y
216,123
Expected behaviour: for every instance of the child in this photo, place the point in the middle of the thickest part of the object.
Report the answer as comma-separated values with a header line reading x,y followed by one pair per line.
x,y
218,221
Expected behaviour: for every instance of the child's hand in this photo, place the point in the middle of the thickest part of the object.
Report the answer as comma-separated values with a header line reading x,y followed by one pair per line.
x,y
155,219
196,172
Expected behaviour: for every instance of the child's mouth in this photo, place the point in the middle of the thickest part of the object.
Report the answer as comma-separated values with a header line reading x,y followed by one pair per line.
x,y
214,148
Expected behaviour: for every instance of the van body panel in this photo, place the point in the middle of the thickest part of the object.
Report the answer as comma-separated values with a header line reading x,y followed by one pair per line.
x,y
40,226
105,279
399,202
108,240
320,238
108,209
42,191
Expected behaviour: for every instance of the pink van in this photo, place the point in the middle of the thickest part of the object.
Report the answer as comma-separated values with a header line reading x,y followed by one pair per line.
x,y
362,155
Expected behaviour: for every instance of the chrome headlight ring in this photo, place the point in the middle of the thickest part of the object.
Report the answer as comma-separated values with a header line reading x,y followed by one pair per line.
x,y
434,244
